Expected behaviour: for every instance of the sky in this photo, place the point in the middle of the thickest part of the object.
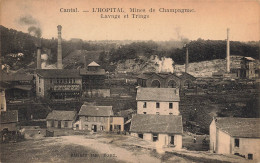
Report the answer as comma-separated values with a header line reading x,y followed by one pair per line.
x,y
209,19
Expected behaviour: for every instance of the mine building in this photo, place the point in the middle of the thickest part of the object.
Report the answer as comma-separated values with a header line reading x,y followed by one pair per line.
x,y
166,130
238,136
58,83
166,80
161,101
93,80
18,85
99,118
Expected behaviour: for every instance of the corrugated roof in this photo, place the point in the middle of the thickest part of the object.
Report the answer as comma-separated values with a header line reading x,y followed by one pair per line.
x,y
9,116
61,115
93,63
96,111
147,123
157,94
239,127
58,73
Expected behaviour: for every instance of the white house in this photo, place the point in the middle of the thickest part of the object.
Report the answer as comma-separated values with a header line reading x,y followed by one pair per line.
x,y
166,130
239,136
161,101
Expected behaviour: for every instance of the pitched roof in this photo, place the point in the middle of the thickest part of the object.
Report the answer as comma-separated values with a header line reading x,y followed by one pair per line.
x,y
93,63
9,116
96,111
16,77
249,58
239,127
157,94
58,73
61,115
147,123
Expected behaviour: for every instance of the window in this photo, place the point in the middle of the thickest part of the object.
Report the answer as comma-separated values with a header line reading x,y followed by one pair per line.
x,y
170,106
144,112
51,81
140,136
170,114
236,142
66,124
250,156
101,128
39,80
157,113
144,105
157,105
155,137
40,89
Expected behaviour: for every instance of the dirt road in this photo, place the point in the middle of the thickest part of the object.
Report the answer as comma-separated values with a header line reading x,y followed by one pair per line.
x,y
103,148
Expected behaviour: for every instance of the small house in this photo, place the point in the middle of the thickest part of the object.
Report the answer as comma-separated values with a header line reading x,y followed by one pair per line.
x,y
99,118
164,129
238,136
61,119
9,120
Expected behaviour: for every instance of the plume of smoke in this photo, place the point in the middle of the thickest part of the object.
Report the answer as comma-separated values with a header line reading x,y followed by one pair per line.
x,y
35,31
28,20
45,65
184,40
164,64
33,25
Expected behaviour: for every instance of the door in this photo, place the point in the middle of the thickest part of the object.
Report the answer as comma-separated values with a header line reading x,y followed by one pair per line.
x,y
95,128
172,140
59,124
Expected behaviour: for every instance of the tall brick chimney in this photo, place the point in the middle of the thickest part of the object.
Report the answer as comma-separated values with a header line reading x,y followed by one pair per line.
x,y
228,52
39,64
187,59
59,55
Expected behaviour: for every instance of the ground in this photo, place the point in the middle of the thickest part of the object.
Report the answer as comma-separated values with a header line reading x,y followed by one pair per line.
x,y
100,148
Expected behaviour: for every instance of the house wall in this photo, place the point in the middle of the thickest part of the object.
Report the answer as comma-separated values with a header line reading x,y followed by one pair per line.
x,y
163,110
117,121
86,123
49,122
212,136
223,142
163,139
9,126
40,90
247,146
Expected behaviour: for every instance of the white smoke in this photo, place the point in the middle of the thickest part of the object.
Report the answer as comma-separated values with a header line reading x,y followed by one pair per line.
x,y
45,65
164,64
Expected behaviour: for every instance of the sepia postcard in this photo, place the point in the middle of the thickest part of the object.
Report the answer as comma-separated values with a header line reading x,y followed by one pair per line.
x,y
139,81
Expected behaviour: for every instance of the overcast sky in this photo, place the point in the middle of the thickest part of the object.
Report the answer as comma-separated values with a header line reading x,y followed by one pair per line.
x,y
209,21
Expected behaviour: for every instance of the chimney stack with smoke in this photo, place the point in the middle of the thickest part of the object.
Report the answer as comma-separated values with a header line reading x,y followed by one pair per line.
x,y
39,58
228,52
187,59
59,55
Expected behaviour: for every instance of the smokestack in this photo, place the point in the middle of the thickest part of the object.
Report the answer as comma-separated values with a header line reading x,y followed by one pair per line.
x,y
228,52
59,55
187,60
85,62
39,58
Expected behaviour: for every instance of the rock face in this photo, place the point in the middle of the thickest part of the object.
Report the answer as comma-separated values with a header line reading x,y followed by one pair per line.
x,y
197,69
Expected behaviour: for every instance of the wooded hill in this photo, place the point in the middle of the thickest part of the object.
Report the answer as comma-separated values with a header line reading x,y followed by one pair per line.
x,y
13,41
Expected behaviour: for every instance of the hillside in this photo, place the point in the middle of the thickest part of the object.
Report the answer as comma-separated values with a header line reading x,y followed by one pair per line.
x,y
197,69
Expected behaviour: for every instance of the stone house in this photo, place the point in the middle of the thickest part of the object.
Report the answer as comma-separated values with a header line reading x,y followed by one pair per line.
x,y
99,118
166,80
166,130
238,136
162,101
61,119
9,120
